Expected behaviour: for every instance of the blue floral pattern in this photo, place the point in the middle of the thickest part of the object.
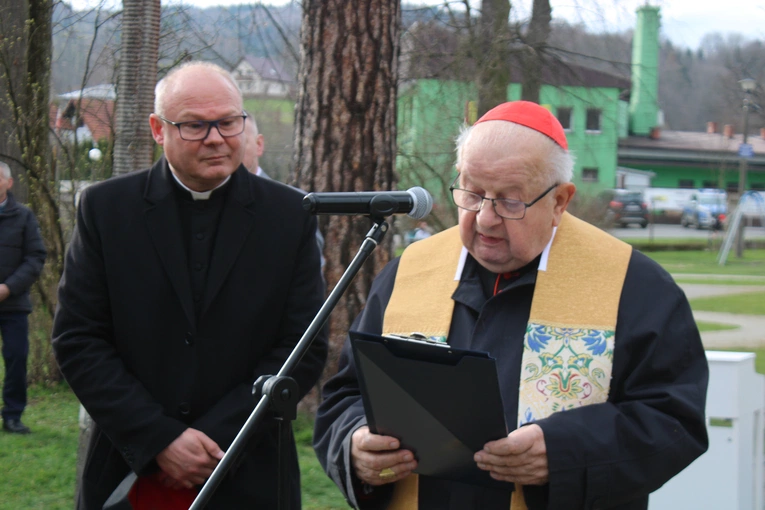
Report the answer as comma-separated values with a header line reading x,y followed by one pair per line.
x,y
563,368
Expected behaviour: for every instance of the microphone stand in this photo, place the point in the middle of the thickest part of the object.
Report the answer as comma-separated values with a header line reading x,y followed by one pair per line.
x,y
280,392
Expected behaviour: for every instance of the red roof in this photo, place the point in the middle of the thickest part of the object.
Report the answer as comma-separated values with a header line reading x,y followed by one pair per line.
x,y
96,114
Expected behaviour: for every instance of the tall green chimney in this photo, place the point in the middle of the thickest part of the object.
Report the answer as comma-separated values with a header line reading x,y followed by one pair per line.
x,y
644,101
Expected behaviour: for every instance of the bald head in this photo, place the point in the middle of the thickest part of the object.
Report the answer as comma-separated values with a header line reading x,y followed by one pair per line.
x,y
183,76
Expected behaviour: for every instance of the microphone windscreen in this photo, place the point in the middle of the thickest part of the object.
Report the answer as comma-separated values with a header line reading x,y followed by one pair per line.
x,y
423,202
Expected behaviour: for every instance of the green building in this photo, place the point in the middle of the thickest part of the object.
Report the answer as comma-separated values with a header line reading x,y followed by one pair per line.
x,y
680,159
613,125
587,102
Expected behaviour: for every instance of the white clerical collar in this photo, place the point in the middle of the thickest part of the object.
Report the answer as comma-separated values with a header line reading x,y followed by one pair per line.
x,y
199,195
546,253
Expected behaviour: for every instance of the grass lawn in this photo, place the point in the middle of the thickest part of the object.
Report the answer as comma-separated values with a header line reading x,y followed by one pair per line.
x,y
713,326
721,281
751,303
705,262
38,471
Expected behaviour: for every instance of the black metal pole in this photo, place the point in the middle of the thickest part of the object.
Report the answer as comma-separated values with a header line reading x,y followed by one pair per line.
x,y
372,240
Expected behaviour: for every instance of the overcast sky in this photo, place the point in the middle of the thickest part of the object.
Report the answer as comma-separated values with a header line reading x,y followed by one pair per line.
x,y
684,22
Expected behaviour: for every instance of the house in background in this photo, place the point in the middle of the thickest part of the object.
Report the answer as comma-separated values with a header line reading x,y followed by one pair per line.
x,y
263,77
95,120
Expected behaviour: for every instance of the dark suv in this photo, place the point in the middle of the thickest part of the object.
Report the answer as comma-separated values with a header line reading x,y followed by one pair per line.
x,y
624,207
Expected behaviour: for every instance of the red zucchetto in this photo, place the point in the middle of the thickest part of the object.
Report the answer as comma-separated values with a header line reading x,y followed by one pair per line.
x,y
530,115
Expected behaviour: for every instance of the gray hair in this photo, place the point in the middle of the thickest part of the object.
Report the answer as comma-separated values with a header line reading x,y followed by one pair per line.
x,y
561,161
251,118
169,79
5,170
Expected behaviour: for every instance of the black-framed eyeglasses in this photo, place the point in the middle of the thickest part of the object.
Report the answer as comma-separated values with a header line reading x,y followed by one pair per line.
x,y
195,130
507,208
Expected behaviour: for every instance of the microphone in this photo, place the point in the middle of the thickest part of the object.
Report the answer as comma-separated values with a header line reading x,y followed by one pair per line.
x,y
416,202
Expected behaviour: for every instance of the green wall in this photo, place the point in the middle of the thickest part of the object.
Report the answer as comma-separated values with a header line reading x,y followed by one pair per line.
x,y
431,113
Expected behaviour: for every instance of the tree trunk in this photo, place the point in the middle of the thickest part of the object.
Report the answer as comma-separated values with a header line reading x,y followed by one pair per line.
x,y
494,65
345,131
536,41
133,145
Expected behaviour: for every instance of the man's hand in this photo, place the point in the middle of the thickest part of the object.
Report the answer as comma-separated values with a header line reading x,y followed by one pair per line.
x,y
189,460
371,454
4,292
520,457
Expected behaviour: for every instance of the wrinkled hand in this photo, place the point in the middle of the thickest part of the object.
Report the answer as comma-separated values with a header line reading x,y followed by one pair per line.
x,y
371,453
189,460
4,292
520,457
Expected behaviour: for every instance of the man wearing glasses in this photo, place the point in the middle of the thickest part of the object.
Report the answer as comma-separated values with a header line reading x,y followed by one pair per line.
x,y
183,284
602,372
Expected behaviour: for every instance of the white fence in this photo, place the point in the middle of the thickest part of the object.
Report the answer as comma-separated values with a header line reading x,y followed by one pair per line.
x,y
729,476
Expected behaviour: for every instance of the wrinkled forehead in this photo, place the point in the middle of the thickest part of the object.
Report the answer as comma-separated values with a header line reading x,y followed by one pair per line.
x,y
496,148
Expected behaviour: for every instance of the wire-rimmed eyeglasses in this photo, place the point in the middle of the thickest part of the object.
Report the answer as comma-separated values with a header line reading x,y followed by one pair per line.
x,y
195,130
507,208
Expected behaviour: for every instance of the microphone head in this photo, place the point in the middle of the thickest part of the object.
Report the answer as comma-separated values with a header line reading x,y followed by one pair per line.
x,y
423,202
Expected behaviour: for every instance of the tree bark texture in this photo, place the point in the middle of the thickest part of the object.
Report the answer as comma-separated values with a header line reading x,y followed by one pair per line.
x,y
134,145
536,42
493,55
345,132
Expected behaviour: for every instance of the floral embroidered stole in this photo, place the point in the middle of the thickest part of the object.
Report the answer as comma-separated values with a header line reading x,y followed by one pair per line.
x,y
569,341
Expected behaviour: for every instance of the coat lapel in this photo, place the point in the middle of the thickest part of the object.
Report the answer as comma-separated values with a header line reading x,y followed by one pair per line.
x,y
236,222
164,226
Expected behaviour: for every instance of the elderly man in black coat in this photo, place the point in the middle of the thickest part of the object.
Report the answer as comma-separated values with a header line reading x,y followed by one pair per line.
x,y
22,255
183,284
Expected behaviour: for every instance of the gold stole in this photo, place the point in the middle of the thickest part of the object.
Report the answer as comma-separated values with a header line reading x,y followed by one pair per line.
x,y
569,341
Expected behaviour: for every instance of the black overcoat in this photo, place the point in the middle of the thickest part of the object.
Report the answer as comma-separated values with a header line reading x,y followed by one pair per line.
x,y
144,365
609,455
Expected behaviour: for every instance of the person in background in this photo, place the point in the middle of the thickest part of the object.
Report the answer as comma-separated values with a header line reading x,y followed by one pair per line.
x,y
22,256
422,231
182,285
602,372
255,145
253,150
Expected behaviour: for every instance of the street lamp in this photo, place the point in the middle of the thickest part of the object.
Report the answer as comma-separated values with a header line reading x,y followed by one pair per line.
x,y
748,85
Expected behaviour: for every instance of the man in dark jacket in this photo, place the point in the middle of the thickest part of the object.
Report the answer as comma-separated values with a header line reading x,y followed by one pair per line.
x,y
22,255
601,368
182,285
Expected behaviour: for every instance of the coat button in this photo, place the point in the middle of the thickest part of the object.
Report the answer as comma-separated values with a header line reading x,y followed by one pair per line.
x,y
189,339
184,408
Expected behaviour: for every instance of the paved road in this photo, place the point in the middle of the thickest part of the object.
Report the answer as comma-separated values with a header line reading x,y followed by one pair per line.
x,y
678,232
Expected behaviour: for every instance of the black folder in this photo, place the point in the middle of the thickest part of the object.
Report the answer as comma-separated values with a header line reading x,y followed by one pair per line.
x,y
441,403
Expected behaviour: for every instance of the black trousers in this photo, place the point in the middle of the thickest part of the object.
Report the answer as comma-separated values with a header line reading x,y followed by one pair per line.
x,y
14,328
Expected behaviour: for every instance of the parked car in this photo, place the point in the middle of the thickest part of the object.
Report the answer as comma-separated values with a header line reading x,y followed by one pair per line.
x,y
625,207
706,208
